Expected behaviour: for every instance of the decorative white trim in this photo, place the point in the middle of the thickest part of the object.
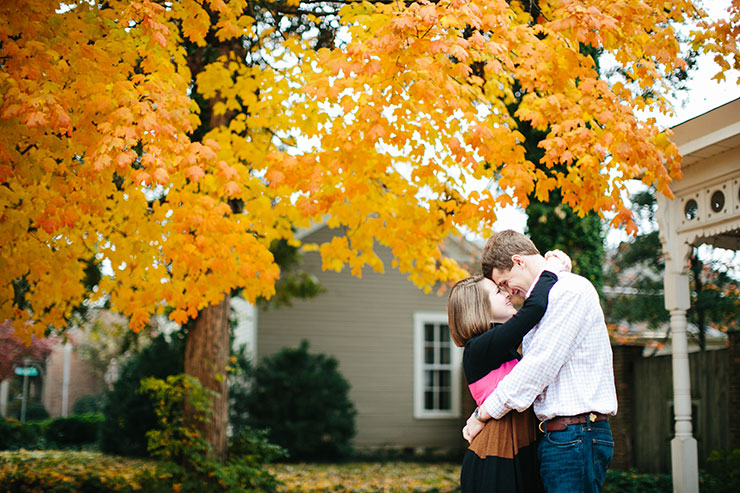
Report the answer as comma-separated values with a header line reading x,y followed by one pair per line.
x,y
709,222
709,139
455,366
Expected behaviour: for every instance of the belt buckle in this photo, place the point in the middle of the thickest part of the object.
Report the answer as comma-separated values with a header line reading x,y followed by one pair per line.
x,y
592,417
541,426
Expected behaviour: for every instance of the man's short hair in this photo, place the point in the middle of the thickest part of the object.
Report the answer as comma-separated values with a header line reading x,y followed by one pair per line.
x,y
501,246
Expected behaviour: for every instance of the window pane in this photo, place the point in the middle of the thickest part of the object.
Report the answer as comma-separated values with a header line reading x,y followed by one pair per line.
x,y
429,354
428,332
444,379
428,379
444,333
444,401
444,354
428,400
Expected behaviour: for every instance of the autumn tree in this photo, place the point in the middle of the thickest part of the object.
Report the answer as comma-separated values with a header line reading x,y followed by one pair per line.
x,y
636,271
174,142
13,352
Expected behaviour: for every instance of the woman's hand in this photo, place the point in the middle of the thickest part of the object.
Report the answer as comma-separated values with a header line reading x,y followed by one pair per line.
x,y
557,261
472,428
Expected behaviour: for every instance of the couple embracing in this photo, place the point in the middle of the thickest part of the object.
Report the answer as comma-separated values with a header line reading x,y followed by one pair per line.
x,y
541,422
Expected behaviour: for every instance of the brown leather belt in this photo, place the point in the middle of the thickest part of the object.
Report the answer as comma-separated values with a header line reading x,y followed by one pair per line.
x,y
562,422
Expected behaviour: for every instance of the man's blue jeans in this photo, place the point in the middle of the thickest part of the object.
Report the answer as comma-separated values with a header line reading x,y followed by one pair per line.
x,y
575,460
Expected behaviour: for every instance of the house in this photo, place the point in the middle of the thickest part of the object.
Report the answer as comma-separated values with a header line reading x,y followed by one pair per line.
x,y
393,346
86,364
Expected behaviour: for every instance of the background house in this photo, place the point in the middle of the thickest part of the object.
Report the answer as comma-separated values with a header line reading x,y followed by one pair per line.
x,y
393,346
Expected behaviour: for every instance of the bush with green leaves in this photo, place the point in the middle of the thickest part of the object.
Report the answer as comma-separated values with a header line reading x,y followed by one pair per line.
x,y
66,432
73,431
89,404
618,481
303,401
186,457
254,447
130,414
239,379
722,473
15,435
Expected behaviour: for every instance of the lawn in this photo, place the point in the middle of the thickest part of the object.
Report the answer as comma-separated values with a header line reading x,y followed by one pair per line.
x,y
365,477
76,471
396,477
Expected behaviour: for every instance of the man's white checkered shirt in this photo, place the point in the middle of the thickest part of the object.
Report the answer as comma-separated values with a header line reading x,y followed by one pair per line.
x,y
567,364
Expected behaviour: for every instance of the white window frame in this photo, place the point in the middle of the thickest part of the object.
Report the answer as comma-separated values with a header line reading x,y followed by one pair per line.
x,y
455,366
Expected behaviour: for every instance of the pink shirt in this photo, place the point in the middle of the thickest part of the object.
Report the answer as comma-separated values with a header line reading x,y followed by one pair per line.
x,y
483,387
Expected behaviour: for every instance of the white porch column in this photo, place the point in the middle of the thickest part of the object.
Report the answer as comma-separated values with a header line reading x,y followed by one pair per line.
x,y
684,453
65,379
4,386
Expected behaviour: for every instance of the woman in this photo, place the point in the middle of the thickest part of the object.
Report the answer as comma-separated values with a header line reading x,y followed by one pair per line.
x,y
502,457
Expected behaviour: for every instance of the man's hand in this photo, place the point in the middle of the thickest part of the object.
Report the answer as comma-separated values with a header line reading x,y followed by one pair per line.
x,y
557,261
472,428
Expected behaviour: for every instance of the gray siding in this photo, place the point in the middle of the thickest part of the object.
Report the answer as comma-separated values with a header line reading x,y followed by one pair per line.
x,y
367,325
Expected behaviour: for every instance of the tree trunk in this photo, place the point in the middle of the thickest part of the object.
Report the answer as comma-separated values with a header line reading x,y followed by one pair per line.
x,y
207,346
206,356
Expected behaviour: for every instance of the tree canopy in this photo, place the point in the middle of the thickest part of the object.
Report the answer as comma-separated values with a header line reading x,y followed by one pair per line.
x,y
373,129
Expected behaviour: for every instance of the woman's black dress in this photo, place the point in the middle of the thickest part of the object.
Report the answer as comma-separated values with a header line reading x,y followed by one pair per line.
x,y
503,456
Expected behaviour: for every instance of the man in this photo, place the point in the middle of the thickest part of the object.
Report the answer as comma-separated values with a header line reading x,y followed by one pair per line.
x,y
566,370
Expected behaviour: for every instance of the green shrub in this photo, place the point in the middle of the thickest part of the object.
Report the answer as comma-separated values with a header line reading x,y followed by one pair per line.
x,y
304,402
722,472
187,458
128,413
254,447
15,435
240,379
634,482
89,404
73,430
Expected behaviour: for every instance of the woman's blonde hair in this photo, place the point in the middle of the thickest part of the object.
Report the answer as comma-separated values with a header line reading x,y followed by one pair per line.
x,y
468,310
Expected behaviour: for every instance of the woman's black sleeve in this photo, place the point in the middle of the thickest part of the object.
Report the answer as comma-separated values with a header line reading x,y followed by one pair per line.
x,y
497,342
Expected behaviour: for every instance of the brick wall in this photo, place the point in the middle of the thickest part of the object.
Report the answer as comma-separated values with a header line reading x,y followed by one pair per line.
x,y
82,381
623,423
733,392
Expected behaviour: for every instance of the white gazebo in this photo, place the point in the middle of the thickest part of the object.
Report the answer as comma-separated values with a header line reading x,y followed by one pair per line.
x,y
705,209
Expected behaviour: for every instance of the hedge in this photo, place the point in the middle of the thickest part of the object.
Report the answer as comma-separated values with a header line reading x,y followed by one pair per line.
x,y
75,431
94,472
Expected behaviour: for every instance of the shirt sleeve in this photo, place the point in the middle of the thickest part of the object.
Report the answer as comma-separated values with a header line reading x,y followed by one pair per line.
x,y
494,345
559,333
